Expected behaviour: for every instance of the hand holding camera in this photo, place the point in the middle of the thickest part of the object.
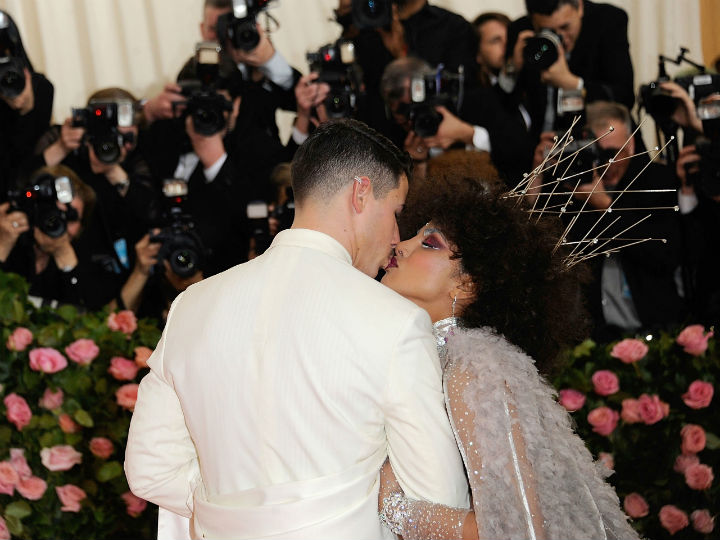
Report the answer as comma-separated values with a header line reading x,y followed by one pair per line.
x,y
450,131
161,106
12,224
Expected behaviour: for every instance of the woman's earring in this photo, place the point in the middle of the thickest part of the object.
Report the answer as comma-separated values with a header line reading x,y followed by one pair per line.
x,y
453,305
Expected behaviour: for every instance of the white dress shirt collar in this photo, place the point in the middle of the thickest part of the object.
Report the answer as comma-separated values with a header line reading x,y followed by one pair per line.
x,y
314,240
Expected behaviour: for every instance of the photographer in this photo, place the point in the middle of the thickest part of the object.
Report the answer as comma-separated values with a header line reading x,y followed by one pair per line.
x,y
39,240
269,78
100,144
26,100
634,289
481,124
698,170
592,57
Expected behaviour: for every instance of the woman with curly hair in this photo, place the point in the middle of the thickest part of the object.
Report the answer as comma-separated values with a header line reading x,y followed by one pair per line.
x,y
503,305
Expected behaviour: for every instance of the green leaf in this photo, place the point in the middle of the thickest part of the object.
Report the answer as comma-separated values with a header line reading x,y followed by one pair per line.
x,y
101,386
51,335
18,509
51,438
5,436
712,441
108,471
584,349
14,525
68,312
83,418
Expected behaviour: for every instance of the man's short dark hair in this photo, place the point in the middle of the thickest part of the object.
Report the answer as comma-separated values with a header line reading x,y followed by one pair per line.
x,y
340,150
548,7
219,4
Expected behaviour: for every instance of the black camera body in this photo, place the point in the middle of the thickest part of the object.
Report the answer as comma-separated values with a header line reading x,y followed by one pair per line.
x,y
428,91
541,50
12,66
661,105
371,13
239,26
204,104
707,176
39,202
336,66
181,243
101,121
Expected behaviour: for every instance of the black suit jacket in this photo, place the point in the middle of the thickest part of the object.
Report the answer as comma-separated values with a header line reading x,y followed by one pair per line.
x,y
601,56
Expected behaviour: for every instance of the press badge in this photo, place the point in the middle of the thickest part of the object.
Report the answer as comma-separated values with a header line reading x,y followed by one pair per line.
x,y
121,251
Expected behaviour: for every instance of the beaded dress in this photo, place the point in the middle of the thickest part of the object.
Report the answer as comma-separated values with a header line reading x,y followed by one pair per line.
x,y
530,475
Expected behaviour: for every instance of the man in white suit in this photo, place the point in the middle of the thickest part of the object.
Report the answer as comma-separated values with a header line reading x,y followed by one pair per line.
x,y
280,386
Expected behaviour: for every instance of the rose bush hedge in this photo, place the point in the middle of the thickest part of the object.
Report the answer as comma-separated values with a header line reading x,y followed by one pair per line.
x,y
646,408
68,382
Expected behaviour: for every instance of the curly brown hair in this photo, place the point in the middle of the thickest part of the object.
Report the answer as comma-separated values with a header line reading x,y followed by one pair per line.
x,y
522,289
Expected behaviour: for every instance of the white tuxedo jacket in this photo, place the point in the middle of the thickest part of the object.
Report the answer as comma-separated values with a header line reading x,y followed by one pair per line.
x,y
276,392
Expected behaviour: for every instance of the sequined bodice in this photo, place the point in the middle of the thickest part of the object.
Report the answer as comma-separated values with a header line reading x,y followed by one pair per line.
x,y
441,330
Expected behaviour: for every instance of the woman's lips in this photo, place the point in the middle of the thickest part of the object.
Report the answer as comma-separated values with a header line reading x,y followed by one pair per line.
x,y
392,263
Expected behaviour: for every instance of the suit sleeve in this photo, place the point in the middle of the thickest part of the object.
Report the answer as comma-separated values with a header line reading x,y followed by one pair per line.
x,y
421,444
161,463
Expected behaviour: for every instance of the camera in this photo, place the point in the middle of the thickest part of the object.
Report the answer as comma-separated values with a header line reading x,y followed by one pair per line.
x,y
12,67
239,26
336,66
101,121
204,104
542,50
429,90
181,243
39,202
371,13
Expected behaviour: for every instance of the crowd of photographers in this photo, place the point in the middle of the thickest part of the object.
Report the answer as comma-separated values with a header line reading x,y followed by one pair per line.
x,y
127,202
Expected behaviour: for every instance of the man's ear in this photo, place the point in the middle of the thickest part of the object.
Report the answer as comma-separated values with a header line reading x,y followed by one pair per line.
x,y
361,190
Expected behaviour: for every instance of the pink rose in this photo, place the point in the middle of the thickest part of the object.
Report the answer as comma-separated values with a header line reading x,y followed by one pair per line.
x,y
603,420
82,351
693,439
60,457
135,505
693,339
123,321
635,505
607,460
699,395
17,458
673,519
683,461
629,351
141,356
51,400
32,488
123,369
101,447
70,497
126,396
605,382
571,399
702,521
699,476
7,489
67,424
630,411
652,410
18,411
19,339
8,474
47,360
4,531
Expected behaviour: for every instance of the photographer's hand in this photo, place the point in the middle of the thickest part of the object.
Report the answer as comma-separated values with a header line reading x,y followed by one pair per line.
x,y
517,56
145,258
688,161
595,193
416,147
394,39
12,224
113,172
559,74
70,139
685,113
450,131
257,57
309,94
160,106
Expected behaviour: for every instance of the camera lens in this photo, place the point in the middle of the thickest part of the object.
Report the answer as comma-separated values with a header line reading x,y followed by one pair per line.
x,y
208,121
426,121
184,262
52,221
373,9
107,150
541,50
